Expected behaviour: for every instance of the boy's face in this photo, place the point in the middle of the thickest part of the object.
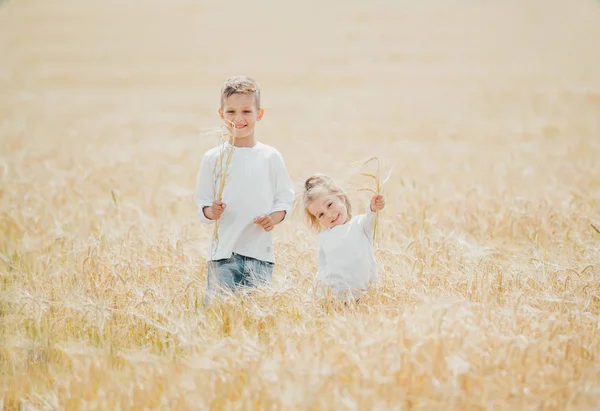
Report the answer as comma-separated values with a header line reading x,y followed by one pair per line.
x,y
329,211
240,111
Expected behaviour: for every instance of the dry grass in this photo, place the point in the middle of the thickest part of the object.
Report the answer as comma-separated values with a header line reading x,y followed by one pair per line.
x,y
488,252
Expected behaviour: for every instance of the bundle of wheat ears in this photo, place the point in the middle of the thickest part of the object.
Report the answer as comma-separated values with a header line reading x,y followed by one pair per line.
x,y
379,183
226,138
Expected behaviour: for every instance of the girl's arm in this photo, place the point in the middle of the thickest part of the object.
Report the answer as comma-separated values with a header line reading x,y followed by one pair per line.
x,y
322,270
204,194
368,220
319,286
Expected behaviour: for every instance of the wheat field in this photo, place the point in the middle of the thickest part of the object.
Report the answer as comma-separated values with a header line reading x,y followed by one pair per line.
x,y
489,249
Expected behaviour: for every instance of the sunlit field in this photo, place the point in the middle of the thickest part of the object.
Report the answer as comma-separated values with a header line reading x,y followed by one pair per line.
x,y
487,113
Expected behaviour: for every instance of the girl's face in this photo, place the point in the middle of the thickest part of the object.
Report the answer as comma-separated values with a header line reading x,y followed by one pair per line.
x,y
329,210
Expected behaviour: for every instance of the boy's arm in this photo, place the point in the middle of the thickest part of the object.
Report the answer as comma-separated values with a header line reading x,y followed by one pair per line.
x,y
204,194
284,191
277,216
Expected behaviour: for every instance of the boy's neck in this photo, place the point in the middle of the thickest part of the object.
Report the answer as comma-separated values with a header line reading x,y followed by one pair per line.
x,y
249,142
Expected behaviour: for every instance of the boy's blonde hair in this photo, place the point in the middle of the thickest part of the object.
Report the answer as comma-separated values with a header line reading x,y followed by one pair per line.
x,y
240,85
316,187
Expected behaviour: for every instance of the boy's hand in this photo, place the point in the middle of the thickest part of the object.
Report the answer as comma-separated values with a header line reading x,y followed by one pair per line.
x,y
265,221
214,211
377,203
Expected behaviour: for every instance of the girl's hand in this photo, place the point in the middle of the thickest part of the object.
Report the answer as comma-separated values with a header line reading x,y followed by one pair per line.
x,y
377,203
265,221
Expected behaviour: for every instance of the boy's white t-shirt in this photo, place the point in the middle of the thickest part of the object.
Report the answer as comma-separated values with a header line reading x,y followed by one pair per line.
x,y
346,257
257,183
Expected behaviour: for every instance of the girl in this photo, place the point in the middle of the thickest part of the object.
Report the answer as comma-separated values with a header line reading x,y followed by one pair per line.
x,y
346,258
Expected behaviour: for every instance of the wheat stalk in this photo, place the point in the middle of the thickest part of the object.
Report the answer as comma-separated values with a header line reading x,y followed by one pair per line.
x,y
379,183
222,166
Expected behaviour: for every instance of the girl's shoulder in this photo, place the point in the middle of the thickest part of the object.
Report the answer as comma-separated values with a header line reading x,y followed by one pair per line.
x,y
356,219
324,237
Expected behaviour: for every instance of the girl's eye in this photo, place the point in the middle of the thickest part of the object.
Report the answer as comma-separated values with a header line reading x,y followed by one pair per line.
x,y
320,215
230,112
329,205
247,112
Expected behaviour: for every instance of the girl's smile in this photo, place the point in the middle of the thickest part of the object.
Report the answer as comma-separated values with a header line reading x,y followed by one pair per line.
x,y
329,210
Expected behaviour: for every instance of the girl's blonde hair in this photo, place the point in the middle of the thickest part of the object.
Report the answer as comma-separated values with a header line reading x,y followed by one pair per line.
x,y
316,187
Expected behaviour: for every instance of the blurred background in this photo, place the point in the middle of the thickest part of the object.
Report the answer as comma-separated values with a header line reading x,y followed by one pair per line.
x,y
98,85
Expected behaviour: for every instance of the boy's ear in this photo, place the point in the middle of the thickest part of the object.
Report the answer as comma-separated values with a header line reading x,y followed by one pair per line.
x,y
260,113
221,114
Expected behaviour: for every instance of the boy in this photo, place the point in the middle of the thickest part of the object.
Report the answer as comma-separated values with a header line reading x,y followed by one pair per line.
x,y
258,194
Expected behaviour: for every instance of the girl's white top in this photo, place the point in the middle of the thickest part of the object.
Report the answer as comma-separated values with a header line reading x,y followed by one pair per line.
x,y
257,183
346,257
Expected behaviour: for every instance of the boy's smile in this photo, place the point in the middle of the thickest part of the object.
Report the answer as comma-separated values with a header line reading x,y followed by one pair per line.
x,y
240,111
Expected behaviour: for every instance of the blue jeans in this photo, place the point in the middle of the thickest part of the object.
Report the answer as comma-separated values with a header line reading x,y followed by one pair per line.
x,y
236,272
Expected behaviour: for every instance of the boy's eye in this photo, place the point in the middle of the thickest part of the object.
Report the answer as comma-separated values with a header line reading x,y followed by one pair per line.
x,y
329,205
230,112
247,111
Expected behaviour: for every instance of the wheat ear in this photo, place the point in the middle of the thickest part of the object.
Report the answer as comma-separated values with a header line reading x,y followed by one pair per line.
x,y
378,187
225,155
